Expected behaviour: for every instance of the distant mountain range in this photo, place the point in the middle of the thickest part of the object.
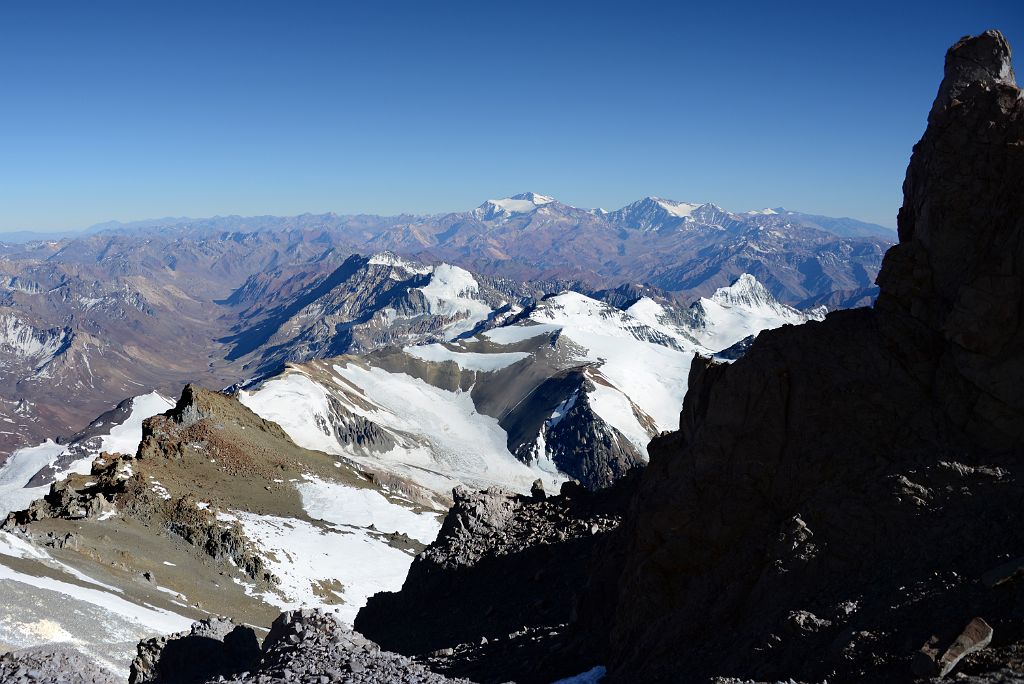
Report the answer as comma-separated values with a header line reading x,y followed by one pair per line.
x,y
662,211
802,259
130,308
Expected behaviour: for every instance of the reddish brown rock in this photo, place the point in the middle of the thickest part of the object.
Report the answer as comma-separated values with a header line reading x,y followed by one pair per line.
x,y
938,657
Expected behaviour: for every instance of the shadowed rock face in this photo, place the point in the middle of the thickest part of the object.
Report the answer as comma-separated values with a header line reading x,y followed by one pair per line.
x,y
833,498
491,597
951,290
211,648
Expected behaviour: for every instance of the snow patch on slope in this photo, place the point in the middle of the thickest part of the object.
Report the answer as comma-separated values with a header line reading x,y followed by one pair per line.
x,y
355,507
652,375
21,340
393,260
96,594
299,405
19,469
312,560
439,353
450,293
441,438
678,209
517,204
616,409
465,444
125,438
514,334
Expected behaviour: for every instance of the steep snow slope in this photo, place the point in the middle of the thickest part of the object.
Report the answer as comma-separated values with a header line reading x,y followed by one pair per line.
x,y
567,380
728,316
436,436
638,361
452,293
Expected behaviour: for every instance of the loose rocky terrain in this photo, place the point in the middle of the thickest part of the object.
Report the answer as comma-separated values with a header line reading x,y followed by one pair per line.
x,y
307,646
52,664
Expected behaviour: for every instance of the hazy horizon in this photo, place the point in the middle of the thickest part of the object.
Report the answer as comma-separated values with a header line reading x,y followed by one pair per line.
x,y
169,219
132,111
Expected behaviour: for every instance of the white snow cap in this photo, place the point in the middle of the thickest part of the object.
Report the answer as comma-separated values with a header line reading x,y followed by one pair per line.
x,y
745,291
517,204
680,209
391,259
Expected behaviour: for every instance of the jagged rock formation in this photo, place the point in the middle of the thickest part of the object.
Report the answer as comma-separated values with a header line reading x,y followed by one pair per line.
x,y
311,646
499,584
585,447
117,485
834,497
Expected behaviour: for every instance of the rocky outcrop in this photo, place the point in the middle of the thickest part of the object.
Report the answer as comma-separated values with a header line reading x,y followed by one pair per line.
x,y
834,498
585,447
212,648
557,421
117,485
311,646
494,593
303,646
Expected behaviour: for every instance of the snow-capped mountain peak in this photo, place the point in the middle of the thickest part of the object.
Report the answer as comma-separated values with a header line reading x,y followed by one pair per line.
x,y
533,197
745,305
522,203
392,260
657,213
745,291
680,209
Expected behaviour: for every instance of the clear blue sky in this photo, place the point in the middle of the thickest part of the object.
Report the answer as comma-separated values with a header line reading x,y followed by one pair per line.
x,y
147,109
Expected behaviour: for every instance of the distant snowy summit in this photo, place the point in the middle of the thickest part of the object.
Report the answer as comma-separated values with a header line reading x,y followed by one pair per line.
x,y
522,203
659,213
